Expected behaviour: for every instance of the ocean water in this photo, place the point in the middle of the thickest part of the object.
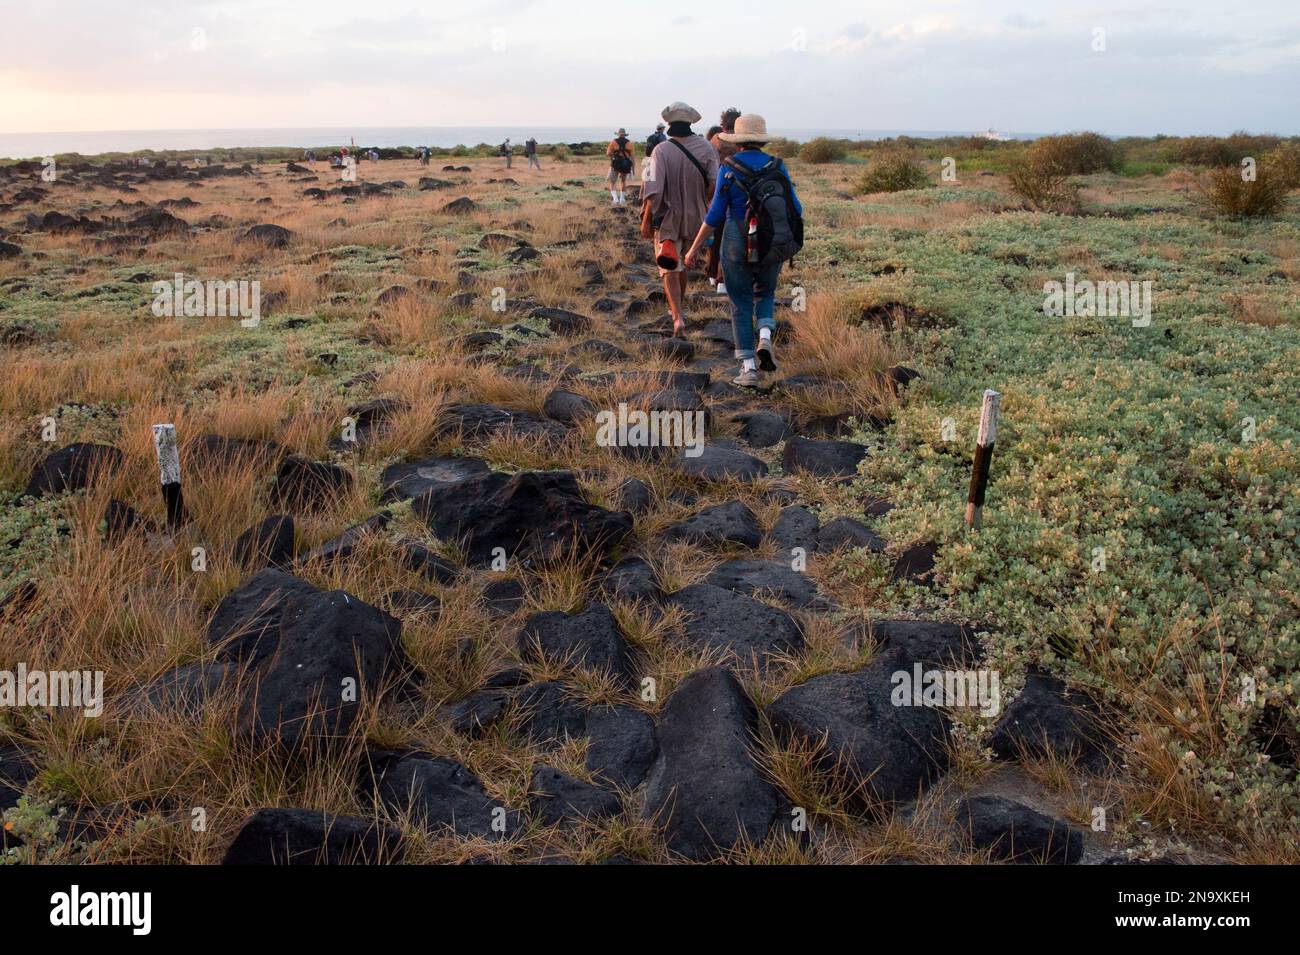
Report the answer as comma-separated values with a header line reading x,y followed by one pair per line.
x,y
36,145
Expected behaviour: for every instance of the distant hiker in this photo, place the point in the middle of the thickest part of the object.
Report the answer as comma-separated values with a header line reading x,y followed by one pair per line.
x,y
508,151
311,158
713,264
619,152
675,195
763,218
724,147
654,139
530,150
424,155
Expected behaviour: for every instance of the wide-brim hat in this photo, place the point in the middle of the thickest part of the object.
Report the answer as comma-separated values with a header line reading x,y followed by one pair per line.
x,y
680,112
621,132
750,128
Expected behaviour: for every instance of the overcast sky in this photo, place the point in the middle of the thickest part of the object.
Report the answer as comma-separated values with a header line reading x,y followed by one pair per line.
x,y
1031,66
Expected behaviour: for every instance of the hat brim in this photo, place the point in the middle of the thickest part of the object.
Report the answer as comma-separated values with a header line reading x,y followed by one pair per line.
x,y
746,137
692,116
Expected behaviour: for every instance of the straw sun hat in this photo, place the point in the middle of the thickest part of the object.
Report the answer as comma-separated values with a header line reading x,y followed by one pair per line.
x,y
750,128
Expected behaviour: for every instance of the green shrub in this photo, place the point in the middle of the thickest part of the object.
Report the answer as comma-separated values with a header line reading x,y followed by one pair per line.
x,y
1077,154
560,153
1219,150
785,148
1046,187
821,150
892,172
1228,192
1283,165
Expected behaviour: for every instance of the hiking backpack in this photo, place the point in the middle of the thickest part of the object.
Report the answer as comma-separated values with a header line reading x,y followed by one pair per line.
x,y
621,161
770,198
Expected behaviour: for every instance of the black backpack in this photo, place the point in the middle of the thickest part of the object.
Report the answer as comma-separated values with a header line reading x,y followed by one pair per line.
x,y
621,160
771,201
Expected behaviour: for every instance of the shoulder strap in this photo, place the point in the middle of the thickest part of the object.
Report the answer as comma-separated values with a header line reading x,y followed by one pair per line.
x,y
694,162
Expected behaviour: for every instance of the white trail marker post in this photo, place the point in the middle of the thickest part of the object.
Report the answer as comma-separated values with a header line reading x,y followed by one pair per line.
x,y
979,475
169,473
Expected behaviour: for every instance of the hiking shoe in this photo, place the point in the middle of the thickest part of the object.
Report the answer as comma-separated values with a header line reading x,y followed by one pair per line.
x,y
748,378
722,288
766,359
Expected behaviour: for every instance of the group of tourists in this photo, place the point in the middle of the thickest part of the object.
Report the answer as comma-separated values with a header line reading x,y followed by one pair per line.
x,y
507,150
723,195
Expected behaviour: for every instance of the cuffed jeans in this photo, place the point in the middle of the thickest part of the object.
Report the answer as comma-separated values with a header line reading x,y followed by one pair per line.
x,y
752,292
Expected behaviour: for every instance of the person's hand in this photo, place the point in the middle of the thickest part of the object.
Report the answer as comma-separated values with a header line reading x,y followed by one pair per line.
x,y
689,259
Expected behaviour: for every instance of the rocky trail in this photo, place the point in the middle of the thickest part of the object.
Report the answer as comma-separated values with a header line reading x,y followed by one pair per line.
x,y
663,715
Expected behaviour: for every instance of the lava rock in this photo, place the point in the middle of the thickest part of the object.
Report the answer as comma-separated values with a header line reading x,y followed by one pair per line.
x,y
413,478
1048,718
73,468
439,793
567,407
538,515
273,236
590,639
822,458
621,744
246,623
724,620
303,485
705,789
720,464
557,798
847,532
330,643
269,542
768,576
763,429
413,555
893,752
796,526
632,579
312,837
729,523
1016,833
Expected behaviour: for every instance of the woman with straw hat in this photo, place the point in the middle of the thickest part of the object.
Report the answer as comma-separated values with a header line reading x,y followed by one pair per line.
x,y
751,284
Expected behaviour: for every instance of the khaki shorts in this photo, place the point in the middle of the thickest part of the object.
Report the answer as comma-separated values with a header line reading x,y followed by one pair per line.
x,y
614,174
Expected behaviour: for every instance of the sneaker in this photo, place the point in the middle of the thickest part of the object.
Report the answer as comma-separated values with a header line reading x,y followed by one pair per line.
x,y
748,378
766,354
722,288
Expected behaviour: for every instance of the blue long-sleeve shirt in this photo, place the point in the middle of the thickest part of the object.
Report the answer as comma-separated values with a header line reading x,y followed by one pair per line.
x,y
729,197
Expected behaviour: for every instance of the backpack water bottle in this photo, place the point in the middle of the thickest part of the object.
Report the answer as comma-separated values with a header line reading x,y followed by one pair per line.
x,y
751,241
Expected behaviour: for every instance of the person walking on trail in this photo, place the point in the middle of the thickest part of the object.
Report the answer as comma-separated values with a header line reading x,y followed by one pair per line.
x,y
530,150
762,217
507,150
619,152
651,141
675,193
728,120
713,263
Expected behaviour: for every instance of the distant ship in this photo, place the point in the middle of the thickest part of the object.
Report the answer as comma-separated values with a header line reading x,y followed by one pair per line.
x,y
994,135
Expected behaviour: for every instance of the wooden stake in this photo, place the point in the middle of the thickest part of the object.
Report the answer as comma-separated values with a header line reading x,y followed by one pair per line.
x,y
979,475
169,473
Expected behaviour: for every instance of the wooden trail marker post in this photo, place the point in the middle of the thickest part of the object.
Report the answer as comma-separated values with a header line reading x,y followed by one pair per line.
x,y
979,475
169,473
